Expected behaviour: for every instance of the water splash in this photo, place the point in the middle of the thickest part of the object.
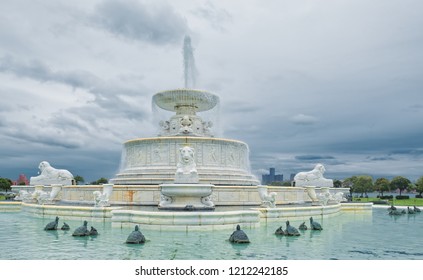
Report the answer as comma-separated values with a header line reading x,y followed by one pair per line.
x,y
190,72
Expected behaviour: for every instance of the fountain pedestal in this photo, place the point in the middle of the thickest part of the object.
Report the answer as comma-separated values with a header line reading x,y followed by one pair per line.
x,y
311,191
55,190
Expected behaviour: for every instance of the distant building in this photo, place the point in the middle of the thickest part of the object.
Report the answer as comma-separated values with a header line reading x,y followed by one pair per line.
x,y
267,179
291,177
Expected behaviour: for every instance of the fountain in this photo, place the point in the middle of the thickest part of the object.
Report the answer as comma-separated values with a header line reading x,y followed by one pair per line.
x,y
221,164
153,160
185,178
185,185
186,193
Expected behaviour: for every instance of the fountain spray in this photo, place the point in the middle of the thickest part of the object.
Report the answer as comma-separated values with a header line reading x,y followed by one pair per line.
x,y
190,72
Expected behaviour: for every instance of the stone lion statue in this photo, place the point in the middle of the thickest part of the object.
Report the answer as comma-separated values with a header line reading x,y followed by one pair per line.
x,y
50,175
186,171
186,162
313,178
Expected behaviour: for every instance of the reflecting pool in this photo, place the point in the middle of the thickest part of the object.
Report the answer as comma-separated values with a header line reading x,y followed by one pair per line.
x,y
367,235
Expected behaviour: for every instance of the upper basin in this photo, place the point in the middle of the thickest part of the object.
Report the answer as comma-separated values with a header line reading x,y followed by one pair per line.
x,y
173,100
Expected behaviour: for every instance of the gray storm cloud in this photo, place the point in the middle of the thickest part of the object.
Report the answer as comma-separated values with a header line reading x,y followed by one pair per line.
x,y
301,82
156,23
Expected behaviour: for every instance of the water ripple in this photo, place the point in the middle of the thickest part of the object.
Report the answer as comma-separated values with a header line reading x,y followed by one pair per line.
x,y
403,253
364,252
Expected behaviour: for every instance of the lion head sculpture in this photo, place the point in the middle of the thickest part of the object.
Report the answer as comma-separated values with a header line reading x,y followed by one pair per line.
x,y
186,156
186,170
43,166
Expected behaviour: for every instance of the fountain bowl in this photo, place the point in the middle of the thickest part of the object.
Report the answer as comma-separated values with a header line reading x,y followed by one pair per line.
x,y
186,197
179,99
192,190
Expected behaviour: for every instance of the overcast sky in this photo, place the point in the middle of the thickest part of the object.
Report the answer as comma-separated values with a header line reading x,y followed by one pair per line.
x,y
301,82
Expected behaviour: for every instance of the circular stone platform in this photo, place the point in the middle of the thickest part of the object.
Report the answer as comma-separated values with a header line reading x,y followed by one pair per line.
x,y
152,161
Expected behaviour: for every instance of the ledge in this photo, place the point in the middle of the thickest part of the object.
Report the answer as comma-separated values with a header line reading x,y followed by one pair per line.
x,y
185,221
72,212
9,206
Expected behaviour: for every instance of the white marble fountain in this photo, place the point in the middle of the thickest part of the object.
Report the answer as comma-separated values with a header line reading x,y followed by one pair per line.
x,y
153,160
187,179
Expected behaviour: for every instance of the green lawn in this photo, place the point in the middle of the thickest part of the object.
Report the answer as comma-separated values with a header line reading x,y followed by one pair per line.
x,y
399,202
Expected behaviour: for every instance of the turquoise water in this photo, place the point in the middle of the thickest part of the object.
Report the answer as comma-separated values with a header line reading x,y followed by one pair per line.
x,y
347,236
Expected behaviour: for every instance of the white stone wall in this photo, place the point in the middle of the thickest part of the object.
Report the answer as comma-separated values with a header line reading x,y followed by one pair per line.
x,y
149,195
154,160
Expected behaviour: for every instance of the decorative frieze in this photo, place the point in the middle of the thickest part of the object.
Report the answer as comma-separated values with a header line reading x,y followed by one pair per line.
x,y
214,157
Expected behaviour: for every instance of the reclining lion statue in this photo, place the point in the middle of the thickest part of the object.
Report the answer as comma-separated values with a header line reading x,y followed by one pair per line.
x,y
313,178
50,175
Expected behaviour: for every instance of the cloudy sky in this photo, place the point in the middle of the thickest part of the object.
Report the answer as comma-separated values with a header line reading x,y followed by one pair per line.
x,y
301,82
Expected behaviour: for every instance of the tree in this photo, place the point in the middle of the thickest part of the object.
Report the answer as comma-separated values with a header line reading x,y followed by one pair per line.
x,y
419,186
100,181
337,183
5,184
79,179
358,184
22,180
400,183
363,184
381,185
350,183
287,183
281,183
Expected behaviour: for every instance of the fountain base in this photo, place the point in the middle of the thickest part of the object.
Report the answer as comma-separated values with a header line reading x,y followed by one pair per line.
x,y
222,218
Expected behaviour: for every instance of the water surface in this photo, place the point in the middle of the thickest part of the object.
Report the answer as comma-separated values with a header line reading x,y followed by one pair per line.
x,y
347,236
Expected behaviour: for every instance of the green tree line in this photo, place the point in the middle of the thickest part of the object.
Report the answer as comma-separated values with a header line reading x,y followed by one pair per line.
x,y
364,184
6,184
